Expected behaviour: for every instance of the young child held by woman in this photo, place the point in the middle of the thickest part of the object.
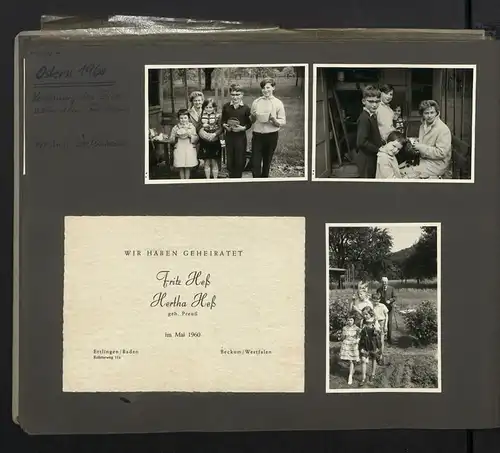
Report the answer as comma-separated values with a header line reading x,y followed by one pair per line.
x,y
399,123
184,138
209,131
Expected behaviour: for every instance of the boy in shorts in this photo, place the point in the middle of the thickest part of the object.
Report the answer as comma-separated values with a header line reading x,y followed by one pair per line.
x,y
381,317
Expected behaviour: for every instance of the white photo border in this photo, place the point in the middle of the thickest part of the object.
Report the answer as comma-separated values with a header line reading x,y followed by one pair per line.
x,y
149,181
438,389
395,66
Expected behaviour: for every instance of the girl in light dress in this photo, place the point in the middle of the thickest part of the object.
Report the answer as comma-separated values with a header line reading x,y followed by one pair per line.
x,y
196,99
184,138
349,350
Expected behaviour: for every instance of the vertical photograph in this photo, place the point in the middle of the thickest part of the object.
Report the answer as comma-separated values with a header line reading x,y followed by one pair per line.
x,y
392,123
383,308
225,123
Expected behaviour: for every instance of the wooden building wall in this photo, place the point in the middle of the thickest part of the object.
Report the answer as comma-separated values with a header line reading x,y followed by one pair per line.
x,y
155,98
456,90
323,158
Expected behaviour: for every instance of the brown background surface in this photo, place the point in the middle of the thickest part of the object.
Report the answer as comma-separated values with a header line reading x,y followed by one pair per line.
x,y
17,17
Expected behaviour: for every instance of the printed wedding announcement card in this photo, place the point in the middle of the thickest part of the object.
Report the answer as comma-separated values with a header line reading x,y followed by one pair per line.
x,y
184,304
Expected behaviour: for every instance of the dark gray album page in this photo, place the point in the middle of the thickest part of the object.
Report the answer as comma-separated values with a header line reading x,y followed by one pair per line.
x,y
84,113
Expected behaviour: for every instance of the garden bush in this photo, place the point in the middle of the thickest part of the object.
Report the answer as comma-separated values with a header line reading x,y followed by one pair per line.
x,y
339,312
422,323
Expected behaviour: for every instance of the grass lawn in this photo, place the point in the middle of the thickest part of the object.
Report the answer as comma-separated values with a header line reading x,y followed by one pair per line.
x,y
407,365
289,156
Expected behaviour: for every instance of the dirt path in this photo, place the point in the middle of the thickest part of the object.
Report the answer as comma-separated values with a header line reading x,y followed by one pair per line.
x,y
403,368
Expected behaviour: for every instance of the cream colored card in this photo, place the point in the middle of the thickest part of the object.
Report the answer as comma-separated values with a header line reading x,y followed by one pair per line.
x,y
184,304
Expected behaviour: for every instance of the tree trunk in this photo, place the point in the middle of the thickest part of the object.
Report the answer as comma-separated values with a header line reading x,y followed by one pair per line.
x,y
172,97
222,84
186,90
200,86
208,79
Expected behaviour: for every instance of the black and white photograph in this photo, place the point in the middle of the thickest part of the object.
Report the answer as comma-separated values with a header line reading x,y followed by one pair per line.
x,y
383,308
226,123
394,123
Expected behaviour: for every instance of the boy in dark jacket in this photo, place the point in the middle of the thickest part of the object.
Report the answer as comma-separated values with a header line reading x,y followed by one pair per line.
x,y
368,140
236,121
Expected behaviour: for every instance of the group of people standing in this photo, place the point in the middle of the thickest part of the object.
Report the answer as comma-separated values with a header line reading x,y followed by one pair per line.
x,y
384,151
203,132
369,326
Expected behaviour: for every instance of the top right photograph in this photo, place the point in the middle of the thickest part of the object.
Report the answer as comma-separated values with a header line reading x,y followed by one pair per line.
x,y
394,123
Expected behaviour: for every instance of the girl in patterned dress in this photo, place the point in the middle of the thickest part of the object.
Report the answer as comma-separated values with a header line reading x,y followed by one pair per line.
x,y
349,349
209,130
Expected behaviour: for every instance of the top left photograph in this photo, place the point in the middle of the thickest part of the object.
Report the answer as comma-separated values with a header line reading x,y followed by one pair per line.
x,y
225,123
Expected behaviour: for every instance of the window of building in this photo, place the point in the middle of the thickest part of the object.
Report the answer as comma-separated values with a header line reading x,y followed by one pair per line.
x,y
421,86
154,87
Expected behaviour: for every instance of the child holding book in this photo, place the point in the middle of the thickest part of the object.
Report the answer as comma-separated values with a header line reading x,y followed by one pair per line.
x,y
184,138
349,350
236,121
209,131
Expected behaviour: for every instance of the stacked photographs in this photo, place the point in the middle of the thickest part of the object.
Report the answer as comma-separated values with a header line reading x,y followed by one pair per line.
x,y
370,123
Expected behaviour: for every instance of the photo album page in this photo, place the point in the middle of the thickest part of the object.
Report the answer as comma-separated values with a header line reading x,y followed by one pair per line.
x,y
260,236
